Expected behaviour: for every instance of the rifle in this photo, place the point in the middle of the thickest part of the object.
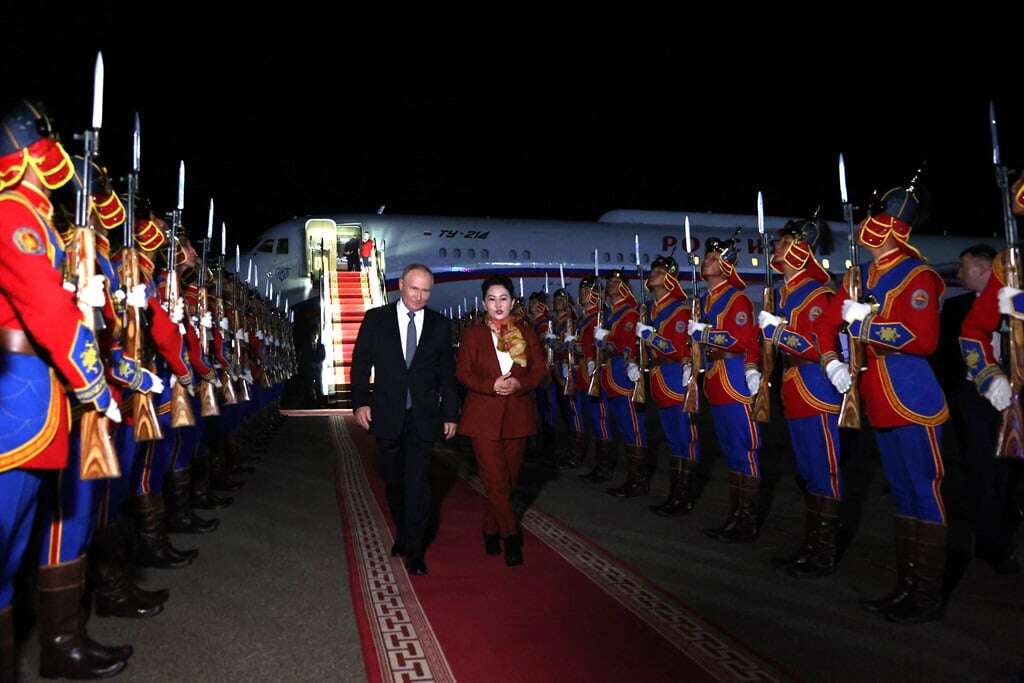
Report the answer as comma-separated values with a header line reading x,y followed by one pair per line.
x,y
98,454
691,403
227,386
207,392
147,423
850,410
639,396
181,407
244,394
570,358
594,388
1011,431
762,408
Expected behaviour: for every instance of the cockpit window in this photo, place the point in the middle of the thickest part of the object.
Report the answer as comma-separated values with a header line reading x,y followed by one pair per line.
x,y
282,246
267,247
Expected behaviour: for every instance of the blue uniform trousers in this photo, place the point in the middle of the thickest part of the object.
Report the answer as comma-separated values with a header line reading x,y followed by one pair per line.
x,y
816,446
680,432
67,509
912,461
739,437
19,491
572,411
630,424
547,404
596,412
154,459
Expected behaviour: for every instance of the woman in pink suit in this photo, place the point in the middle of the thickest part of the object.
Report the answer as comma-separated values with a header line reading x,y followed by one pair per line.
x,y
500,363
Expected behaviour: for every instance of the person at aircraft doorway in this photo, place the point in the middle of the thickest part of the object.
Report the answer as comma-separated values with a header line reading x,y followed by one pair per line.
x,y
903,401
728,331
366,249
810,400
351,253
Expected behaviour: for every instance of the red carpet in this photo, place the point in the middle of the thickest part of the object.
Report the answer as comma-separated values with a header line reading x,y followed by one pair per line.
x,y
571,613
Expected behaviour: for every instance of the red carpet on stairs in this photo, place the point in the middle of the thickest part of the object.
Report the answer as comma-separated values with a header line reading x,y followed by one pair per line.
x,y
350,301
570,613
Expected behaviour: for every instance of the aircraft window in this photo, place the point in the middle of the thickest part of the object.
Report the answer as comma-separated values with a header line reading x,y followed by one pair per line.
x,y
471,253
513,254
526,253
267,247
618,258
442,252
606,257
456,253
485,253
282,246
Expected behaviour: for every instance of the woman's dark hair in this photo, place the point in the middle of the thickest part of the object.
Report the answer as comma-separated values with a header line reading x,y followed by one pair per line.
x,y
500,280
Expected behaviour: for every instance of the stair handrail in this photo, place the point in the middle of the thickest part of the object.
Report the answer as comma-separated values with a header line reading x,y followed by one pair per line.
x,y
378,290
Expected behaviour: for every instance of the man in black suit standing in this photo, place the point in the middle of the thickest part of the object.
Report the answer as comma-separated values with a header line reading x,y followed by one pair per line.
x,y
409,348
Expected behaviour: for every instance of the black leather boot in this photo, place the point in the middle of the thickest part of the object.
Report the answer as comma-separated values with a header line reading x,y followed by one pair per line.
x,y
514,550
906,537
577,451
115,593
154,549
745,528
492,544
638,475
180,517
734,506
66,651
822,558
605,456
926,601
8,655
202,497
681,495
803,555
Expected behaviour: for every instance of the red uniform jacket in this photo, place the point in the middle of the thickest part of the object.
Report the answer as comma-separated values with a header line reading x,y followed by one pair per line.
x,y
485,414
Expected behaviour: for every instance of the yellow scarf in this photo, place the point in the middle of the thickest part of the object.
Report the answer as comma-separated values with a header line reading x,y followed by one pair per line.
x,y
510,340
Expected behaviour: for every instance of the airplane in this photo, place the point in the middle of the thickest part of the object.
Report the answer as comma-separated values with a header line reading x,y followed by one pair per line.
x,y
463,251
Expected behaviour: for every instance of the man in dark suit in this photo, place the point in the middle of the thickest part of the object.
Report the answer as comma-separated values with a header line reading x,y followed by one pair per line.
x,y
409,348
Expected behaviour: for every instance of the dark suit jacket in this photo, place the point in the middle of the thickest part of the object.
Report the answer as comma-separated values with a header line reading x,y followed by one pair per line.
x,y
431,378
485,414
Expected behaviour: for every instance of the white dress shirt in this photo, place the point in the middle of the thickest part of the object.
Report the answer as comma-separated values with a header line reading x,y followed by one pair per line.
x,y
504,357
403,323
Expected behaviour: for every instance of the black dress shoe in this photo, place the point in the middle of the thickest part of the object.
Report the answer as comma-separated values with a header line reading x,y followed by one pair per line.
x,y
492,544
397,549
416,566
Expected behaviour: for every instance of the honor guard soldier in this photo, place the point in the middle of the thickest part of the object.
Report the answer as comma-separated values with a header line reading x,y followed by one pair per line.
x,y
547,398
39,317
811,402
669,343
994,513
588,382
727,328
569,397
898,323
620,374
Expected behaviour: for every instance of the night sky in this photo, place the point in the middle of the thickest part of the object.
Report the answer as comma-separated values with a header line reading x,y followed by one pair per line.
x,y
538,116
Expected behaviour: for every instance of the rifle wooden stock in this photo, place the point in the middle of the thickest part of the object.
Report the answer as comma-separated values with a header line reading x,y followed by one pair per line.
x,y
850,410
227,388
208,399
144,416
594,388
207,392
639,396
569,388
762,408
691,403
181,407
1011,432
98,454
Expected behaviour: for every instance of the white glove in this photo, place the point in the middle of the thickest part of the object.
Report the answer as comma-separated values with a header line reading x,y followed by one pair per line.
x,y
191,388
1006,295
259,335
216,382
94,293
753,380
207,320
565,370
550,335
999,393
118,295
70,286
177,312
839,374
641,329
181,329
591,366
224,324
600,333
764,319
113,412
137,297
194,319
633,372
687,374
569,338
694,326
248,376
854,310
158,384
